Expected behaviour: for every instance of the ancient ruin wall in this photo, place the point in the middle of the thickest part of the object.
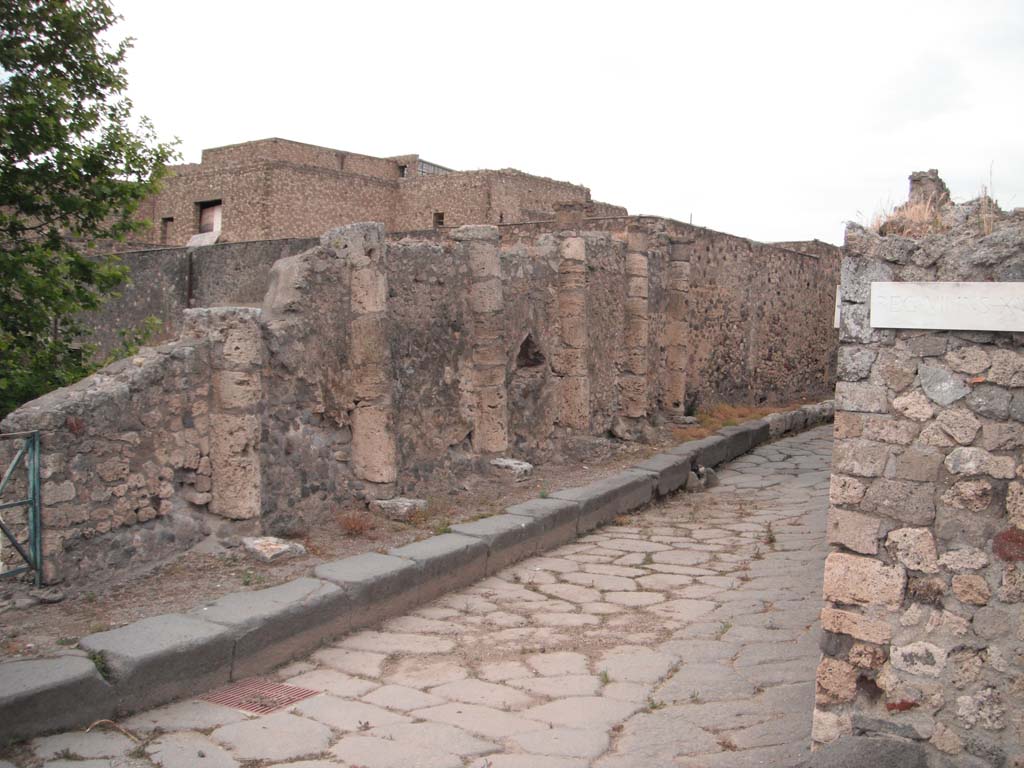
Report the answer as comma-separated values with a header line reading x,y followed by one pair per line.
x,y
375,362
144,458
923,628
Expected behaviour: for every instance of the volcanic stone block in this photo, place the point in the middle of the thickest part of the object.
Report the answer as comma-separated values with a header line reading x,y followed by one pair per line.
x,y
51,695
508,537
379,586
163,658
272,626
444,563
670,470
604,500
559,519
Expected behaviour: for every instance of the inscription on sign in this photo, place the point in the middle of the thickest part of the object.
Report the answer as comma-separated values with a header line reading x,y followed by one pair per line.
x,y
948,306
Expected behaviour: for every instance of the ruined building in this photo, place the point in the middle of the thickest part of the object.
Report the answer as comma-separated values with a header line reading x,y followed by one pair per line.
x,y
274,188
311,372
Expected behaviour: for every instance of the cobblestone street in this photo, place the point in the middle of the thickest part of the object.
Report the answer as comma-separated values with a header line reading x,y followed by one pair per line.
x,y
685,636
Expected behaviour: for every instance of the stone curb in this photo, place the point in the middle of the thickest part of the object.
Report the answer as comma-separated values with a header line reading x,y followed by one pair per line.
x,y
163,658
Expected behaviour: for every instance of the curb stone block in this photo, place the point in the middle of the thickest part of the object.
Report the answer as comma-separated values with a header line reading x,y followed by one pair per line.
x,y
162,658
706,451
604,500
51,695
272,626
444,563
378,586
671,470
557,517
508,537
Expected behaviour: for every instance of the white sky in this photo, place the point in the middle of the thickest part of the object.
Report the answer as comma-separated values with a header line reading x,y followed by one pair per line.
x,y
772,120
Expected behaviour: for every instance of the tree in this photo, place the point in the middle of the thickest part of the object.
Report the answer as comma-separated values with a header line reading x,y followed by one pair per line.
x,y
73,170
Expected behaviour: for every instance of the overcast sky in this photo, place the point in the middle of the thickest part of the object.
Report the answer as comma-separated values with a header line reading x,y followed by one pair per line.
x,y
771,120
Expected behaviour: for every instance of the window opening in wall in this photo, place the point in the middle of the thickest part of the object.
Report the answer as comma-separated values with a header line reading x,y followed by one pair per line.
x,y
403,171
209,216
438,218
165,229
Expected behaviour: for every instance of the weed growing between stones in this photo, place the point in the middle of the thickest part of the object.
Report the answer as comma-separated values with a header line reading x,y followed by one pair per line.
x,y
99,660
769,535
605,679
356,523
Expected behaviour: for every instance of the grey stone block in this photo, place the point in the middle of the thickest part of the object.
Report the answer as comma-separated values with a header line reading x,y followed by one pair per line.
x,y
878,752
46,695
508,537
379,586
272,626
557,517
603,500
163,658
444,563
671,471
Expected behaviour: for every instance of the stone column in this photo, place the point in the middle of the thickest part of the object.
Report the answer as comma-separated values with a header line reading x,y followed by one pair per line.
x,y
490,350
571,359
677,330
236,356
374,452
632,381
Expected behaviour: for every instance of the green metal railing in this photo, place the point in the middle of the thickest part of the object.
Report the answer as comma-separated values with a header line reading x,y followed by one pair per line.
x,y
30,550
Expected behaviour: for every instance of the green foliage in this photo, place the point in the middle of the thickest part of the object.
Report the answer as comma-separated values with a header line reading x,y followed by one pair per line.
x,y
73,170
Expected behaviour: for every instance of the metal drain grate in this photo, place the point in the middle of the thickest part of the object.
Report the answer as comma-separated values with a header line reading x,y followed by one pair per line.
x,y
258,696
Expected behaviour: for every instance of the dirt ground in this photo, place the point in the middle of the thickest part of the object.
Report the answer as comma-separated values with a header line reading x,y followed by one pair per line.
x,y
209,570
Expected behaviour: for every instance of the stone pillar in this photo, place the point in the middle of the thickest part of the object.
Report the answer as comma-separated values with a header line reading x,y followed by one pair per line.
x,y
236,357
374,452
570,362
632,380
490,350
923,628
677,331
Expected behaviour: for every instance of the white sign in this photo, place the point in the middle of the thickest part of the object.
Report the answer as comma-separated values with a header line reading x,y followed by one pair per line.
x,y
948,306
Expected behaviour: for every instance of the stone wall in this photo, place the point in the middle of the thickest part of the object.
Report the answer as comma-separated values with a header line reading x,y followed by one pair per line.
x,y
923,633
164,282
376,361
147,456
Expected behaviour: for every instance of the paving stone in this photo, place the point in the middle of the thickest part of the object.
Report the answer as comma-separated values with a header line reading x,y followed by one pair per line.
x,y
599,581
191,715
635,664
280,736
93,744
332,681
564,685
401,698
560,663
500,671
372,752
582,712
397,642
479,692
187,749
485,721
528,761
426,673
564,742
437,737
361,663
346,715
634,599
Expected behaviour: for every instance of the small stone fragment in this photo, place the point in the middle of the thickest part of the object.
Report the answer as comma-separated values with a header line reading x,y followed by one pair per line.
x,y
515,467
270,548
836,680
973,495
914,548
919,658
400,509
941,384
914,405
971,588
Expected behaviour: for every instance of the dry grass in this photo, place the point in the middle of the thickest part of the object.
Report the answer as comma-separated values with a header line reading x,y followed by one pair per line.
x,y
724,415
909,220
356,523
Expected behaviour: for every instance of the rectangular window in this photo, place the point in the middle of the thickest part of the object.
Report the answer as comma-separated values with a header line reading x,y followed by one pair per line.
x,y
403,171
438,219
209,216
165,229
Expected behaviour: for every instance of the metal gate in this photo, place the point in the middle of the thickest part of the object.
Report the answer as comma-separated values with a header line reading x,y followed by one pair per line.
x,y
30,546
